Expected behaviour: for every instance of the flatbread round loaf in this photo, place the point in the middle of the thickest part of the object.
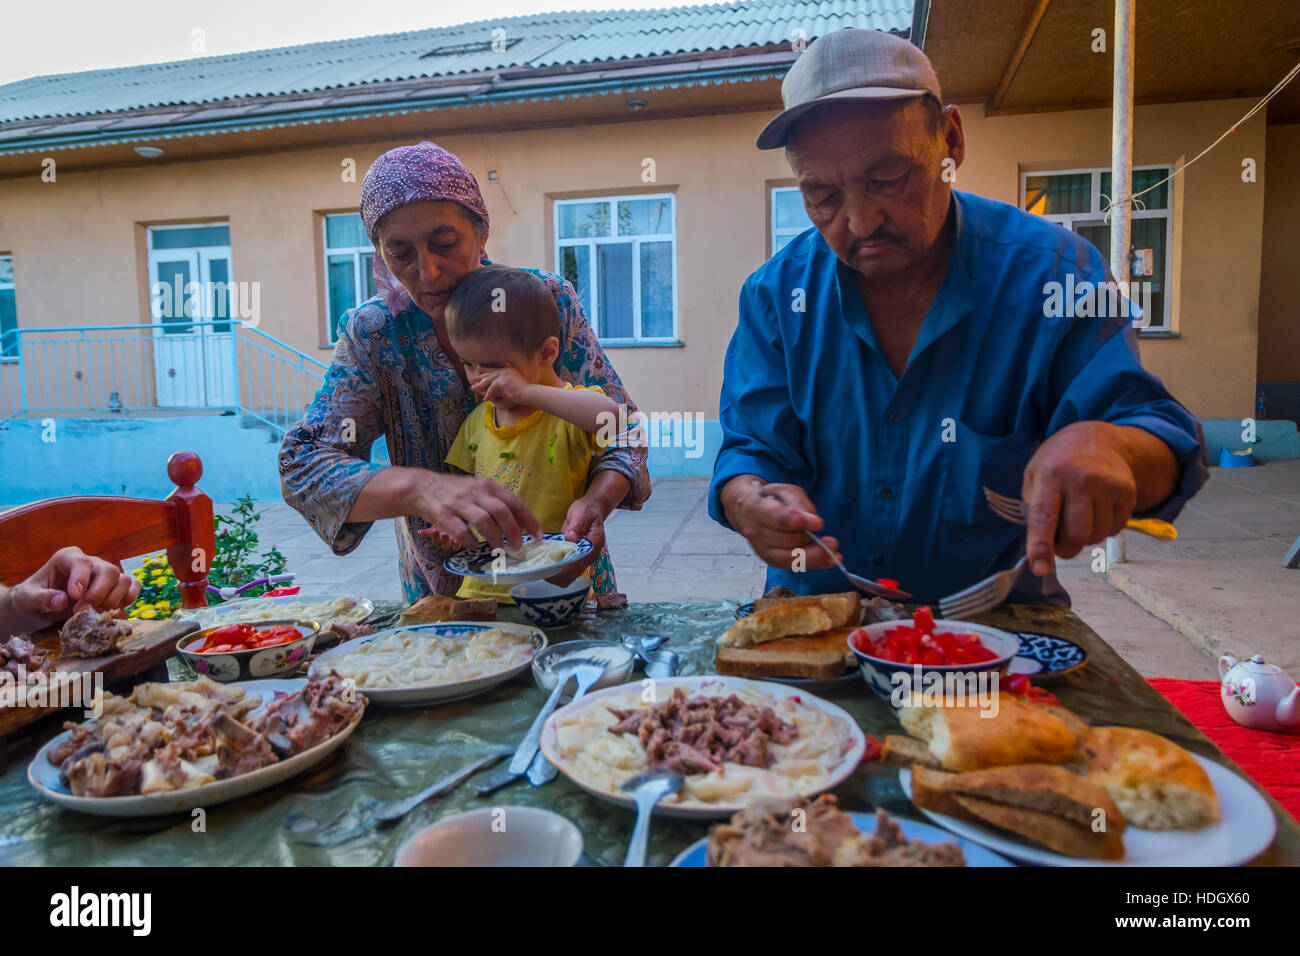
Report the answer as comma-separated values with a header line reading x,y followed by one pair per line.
x,y
1157,783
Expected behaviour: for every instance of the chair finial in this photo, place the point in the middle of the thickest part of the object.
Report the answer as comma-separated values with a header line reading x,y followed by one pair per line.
x,y
184,468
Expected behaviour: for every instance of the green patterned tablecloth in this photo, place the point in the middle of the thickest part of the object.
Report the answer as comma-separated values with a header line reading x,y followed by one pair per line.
x,y
321,817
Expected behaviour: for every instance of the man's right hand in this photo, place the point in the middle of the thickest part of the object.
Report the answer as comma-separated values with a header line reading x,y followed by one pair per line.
x,y
455,504
773,520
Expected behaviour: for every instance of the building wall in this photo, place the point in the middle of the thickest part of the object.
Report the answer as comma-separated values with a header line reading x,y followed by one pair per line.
x,y
78,243
1217,228
1279,284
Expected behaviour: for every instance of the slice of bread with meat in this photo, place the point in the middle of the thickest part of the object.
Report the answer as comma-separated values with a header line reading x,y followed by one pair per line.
x,y
1044,803
823,656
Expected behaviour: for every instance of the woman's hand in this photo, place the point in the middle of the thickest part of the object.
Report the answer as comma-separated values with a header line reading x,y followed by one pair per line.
x,y
455,504
773,520
69,581
585,519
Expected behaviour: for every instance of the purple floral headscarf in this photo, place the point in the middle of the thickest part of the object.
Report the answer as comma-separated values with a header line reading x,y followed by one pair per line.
x,y
410,174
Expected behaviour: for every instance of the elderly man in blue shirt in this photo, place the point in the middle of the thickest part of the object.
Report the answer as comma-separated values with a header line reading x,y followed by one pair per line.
x,y
906,352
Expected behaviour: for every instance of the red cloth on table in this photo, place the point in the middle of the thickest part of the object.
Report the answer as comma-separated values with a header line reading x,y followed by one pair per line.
x,y
1271,758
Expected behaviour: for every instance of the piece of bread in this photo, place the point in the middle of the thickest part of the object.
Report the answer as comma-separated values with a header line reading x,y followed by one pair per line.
x,y
968,738
844,609
908,752
805,616
1044,803
823,656
443,607
1157,784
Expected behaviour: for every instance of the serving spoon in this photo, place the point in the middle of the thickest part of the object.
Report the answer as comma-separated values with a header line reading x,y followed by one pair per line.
x,y
647,789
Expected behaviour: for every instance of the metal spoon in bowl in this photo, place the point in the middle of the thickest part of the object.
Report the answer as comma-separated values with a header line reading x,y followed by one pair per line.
x,y
647,789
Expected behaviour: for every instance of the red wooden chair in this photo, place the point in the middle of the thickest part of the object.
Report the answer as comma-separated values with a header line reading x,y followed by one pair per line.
x,y
118,528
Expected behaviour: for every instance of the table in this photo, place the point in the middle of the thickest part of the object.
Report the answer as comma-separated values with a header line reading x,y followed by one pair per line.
x,y
321,817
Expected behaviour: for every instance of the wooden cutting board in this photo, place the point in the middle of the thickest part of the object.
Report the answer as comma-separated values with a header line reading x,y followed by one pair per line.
x,y
150,643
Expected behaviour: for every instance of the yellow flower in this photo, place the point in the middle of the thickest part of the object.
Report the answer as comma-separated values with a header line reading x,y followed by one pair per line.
x,y
163,605
148,613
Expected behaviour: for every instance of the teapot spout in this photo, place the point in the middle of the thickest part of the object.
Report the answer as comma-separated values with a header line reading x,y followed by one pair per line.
x,y
1226,663
1288,709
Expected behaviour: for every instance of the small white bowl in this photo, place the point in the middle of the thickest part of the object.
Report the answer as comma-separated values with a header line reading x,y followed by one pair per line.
x,y
495,836
620,659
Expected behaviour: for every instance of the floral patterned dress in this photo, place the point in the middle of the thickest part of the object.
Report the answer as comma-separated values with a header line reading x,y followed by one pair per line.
x,y
391,378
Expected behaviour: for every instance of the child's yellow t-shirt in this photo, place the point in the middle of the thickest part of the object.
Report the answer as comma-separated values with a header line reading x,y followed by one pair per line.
x,y
542,458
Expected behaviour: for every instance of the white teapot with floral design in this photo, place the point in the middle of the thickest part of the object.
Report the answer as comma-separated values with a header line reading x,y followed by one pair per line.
x,y
1259,695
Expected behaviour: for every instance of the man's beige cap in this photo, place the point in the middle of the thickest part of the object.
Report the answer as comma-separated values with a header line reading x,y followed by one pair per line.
x,y
850,64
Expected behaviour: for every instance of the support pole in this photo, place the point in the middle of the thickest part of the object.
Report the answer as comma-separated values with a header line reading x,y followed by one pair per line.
x,y
1121,179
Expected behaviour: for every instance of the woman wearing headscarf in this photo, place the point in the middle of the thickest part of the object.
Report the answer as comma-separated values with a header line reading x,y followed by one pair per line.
x,y
395,374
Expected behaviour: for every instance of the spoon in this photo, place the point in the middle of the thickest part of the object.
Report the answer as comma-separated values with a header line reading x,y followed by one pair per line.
x,y
647,789
661,663
642,646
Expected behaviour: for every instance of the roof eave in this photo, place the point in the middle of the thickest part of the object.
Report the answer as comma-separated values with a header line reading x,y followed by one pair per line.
x,y
479,92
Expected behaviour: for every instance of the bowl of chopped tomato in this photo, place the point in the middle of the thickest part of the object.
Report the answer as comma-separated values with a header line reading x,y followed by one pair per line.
x,y
892,652
231,652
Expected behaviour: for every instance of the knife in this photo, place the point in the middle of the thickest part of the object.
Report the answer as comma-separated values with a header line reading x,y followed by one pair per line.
x,y
395,811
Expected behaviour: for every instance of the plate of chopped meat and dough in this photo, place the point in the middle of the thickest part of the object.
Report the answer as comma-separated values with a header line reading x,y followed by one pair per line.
x,y
793,831
171,747
732,740
1038,784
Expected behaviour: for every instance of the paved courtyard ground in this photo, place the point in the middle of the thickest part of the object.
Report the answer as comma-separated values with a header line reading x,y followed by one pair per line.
x,y
1171,610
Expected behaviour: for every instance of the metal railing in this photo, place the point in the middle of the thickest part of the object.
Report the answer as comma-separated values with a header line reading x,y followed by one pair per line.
x,y
222,365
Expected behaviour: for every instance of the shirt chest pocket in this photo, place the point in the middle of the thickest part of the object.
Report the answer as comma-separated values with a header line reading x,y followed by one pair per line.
x,y
973,461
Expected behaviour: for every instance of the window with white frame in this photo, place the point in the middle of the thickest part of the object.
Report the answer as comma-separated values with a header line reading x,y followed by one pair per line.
x,y
1076,199
789,218
349,267
620,253
8,310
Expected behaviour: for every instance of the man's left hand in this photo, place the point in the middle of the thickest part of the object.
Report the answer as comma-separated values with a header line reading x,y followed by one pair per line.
x,y
1080,489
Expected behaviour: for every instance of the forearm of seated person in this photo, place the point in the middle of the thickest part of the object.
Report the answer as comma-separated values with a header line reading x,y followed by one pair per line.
x,y
1155,469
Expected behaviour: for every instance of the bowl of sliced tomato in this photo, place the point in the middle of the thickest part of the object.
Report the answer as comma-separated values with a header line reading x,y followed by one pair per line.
x,y
231,652
891,652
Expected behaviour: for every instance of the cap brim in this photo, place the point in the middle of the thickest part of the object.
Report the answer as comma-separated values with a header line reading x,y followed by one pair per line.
x,y
774,133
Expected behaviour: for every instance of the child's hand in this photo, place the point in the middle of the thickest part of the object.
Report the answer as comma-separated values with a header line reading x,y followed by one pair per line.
x,y
504,385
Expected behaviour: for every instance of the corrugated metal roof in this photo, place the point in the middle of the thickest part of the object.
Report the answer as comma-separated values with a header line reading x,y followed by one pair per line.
x,y
542,41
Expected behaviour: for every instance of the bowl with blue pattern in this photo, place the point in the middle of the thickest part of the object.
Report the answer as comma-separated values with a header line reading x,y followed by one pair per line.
x,y
544,604
495,565
885,676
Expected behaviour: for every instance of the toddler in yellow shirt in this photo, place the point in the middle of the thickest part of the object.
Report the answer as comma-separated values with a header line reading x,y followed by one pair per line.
x,y
532,433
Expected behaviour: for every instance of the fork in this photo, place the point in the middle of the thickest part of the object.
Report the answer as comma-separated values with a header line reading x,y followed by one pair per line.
x,y
1017,512
982,596
586,673
861,583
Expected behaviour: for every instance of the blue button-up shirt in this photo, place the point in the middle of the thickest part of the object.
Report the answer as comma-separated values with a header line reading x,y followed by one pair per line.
x,y
895,466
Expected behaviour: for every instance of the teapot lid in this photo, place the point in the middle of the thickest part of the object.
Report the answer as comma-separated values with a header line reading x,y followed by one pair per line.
x,y
1256,663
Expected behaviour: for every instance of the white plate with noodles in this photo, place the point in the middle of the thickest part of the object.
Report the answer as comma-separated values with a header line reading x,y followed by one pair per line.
x,y
44,776
433,663
322,609
826,749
